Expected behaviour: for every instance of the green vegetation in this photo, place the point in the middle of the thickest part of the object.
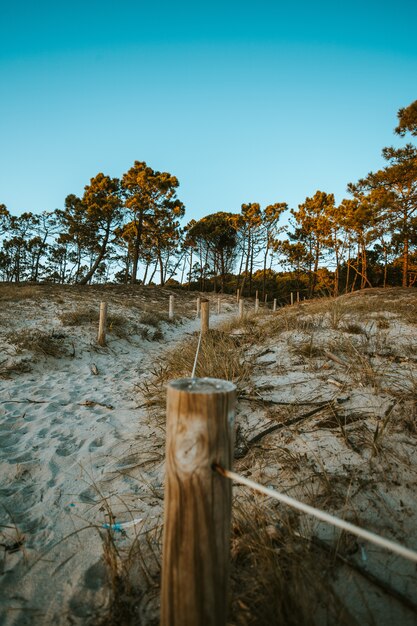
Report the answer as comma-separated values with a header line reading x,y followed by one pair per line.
x,y
121,228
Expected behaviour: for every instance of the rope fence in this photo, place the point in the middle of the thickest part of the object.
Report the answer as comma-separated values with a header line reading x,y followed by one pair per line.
x,y
394,547
198,498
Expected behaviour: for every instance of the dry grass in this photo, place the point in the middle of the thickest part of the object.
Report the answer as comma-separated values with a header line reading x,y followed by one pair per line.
x,y
21,366
220,356
79,317
353,328
277,576
40,342
308,349
14,292
155,318
117,324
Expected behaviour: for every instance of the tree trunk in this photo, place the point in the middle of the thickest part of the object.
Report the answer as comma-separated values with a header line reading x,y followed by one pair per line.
x,y
136,249
99,258
385,265
153,273
38,257
161,270
316,267
146,273
191,270
251,270
405,263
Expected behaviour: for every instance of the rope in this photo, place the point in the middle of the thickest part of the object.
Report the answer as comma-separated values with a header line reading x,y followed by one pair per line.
x,y
321,515
196,356
120,526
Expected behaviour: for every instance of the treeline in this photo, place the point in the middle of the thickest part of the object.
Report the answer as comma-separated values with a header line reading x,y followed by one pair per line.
x,y
129,230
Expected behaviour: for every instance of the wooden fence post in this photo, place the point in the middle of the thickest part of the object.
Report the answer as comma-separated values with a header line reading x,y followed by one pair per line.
x,y
102,323
241,309
292,298
198,307
275,305
205,316
171,307
198,502
218,305
237,295
298,297
256,303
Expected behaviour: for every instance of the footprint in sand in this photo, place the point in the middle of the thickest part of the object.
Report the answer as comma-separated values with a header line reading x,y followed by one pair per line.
x,y
89,495
23,458
9,440
97,443
68,446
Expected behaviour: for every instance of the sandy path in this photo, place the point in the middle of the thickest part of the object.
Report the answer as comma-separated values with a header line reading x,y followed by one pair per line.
x,y
71,441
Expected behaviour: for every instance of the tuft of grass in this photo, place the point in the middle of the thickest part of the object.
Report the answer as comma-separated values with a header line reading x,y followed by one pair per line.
x,y
21,366
158,335
116,324
79,317
220,356
15,292
155,318
277,576
353,328
336,313
308,349
39,342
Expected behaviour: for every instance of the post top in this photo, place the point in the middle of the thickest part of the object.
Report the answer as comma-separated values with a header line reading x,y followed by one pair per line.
x,y
202,385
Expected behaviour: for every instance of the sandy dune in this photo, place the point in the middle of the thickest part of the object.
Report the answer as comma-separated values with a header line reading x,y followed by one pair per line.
x,y
73,436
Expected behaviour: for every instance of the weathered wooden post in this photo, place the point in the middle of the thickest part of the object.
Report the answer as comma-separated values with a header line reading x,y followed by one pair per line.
x,y
292,298
274,308
198,502
198,306
266,298
256,303
171,307
102,323
218,305
298,297
205,316
237,295
241,309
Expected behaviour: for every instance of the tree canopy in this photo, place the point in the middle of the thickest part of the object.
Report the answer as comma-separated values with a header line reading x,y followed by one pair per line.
x,y
130,229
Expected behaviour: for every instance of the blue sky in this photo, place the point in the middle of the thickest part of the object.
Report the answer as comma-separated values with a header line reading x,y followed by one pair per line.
x,y
242,101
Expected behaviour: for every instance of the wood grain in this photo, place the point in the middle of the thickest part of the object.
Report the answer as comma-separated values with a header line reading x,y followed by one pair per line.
x,y
205,315
102,323
200,415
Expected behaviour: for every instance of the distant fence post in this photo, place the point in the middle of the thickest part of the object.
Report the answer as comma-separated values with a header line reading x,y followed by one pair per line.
x,y
218,305
298,297
171,307
198,502
274,308
292,298
256,303
241,309
198,307
205,316
102,323
237,295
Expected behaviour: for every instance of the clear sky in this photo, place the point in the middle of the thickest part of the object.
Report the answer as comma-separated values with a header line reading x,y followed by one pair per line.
x,y
243,101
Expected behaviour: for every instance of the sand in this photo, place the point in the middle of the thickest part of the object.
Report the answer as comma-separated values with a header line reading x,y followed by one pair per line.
x,y
80,448
76,443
